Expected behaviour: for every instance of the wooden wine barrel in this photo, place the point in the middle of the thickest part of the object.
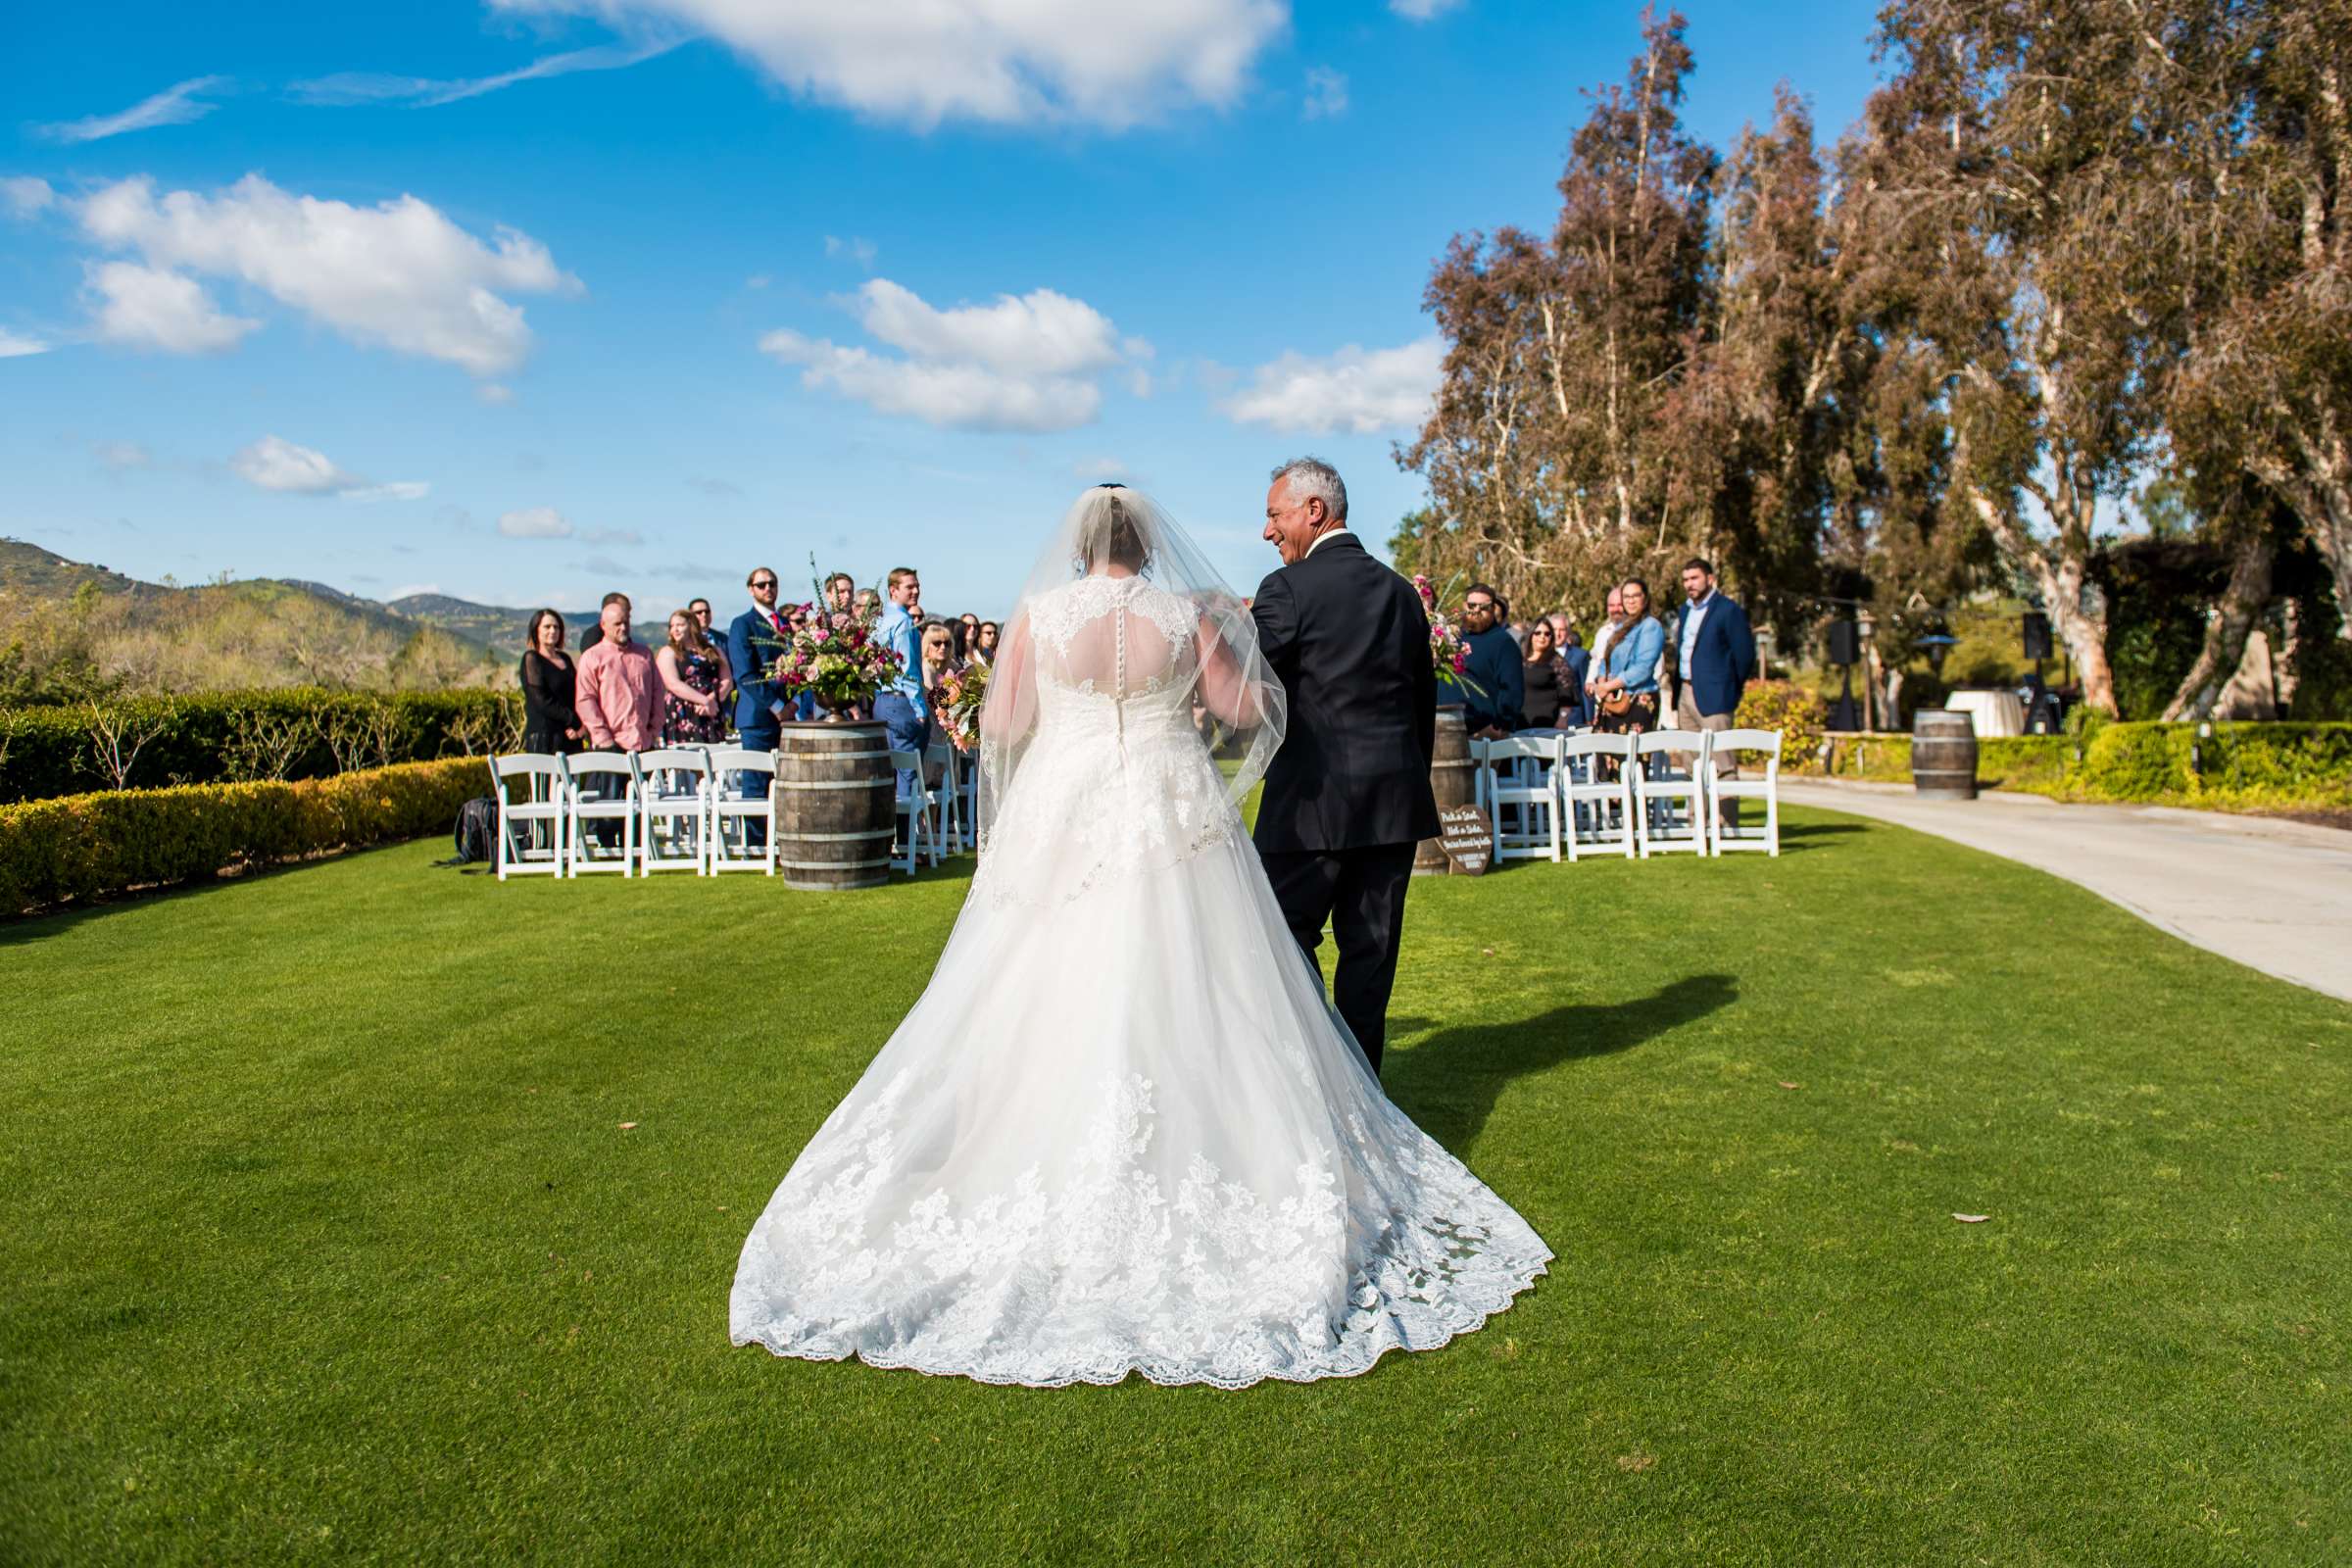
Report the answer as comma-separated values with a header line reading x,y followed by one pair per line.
x,y
1943,754
1451,779
836,806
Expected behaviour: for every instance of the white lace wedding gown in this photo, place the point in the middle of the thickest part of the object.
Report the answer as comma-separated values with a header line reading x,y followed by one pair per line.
x,y
1121,1131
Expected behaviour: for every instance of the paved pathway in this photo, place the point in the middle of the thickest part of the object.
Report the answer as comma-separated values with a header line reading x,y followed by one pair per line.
x,y
2274,895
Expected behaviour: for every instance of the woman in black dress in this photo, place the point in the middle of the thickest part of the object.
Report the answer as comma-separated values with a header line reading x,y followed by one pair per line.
x,y
1545,679
549,721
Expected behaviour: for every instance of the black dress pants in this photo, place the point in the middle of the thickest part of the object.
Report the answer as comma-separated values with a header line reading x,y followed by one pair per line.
x,y
1360,894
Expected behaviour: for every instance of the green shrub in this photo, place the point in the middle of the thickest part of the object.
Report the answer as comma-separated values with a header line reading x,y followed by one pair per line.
x,y
2036,764
2130,762
1792,709
228,737
80,847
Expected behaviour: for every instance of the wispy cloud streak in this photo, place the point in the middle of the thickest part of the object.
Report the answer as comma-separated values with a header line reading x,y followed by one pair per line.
x,y
347,88
176,105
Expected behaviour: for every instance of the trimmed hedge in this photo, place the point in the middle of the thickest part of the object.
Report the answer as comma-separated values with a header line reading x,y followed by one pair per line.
x,y
225,737
87,846
2236,766
2254,766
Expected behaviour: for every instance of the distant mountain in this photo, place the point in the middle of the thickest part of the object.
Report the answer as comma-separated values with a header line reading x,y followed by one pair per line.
x,y
44,575
498,629
502,627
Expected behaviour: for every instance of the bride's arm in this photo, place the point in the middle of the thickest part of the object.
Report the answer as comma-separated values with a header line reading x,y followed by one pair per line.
x,y
1006,713
1224,690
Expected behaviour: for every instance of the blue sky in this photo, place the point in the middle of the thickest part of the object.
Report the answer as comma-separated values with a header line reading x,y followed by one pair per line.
x,y
319,292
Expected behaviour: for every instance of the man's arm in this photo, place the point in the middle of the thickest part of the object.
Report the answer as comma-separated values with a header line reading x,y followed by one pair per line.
x,y
1275,614
590,704
739,651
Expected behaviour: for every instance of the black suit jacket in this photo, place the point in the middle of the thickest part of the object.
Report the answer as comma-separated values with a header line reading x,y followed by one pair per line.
x,y
1349,642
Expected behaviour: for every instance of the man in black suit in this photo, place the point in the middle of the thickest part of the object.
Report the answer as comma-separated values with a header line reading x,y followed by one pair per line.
x,y
1348,796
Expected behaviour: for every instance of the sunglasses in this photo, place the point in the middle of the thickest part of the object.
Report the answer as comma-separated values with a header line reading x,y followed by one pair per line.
x,y
764,582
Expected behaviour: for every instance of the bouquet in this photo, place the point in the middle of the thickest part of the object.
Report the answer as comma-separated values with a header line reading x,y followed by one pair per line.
x,y
836,657
956,701
1446,650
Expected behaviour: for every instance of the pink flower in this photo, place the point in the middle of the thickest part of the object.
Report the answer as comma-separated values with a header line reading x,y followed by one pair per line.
x,y
1461,663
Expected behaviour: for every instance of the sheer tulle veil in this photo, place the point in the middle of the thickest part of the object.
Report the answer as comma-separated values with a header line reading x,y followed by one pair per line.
x,y
1114,530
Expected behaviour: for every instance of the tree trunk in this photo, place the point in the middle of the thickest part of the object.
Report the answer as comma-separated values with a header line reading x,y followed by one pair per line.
x,y
2226,628
2059,575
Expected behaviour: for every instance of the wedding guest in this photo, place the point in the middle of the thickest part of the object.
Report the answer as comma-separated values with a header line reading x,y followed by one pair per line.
x,y
1544,680
549,723
938,657
1627,690
960,639
1576,709
1714,659
903,705
868,602
1494,667
619,692
689,668
753,639
984,643
839,591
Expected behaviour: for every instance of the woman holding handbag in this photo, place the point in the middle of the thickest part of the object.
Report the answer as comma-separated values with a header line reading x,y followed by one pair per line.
x,y
1625,692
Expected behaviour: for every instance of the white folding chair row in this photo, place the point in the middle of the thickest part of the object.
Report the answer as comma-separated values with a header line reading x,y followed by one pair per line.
x,y
674,785
951,797
1520,773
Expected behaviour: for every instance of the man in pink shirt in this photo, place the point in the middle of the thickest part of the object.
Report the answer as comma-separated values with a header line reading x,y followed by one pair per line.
x,y
620,693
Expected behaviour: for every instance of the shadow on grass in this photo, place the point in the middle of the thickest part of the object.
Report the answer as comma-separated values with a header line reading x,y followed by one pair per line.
x,y
1448,1082
21,929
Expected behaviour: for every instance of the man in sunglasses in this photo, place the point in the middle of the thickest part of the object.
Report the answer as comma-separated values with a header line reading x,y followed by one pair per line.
x,y
1496,667
753,639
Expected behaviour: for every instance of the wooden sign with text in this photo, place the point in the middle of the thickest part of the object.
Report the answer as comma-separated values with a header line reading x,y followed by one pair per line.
x,y
1467,837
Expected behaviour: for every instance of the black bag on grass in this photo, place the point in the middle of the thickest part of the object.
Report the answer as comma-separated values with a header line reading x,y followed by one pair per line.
x,y
476,830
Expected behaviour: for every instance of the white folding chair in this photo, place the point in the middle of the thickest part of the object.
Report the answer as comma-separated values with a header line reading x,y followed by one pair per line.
x,y
523,851
734,851
1722,791
1521,774
1597,807
674,809
581,809
1670,804
947,833
914,814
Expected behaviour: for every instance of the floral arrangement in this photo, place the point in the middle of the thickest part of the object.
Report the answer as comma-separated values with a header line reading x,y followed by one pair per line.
x,y
1445,648
956,703
837,657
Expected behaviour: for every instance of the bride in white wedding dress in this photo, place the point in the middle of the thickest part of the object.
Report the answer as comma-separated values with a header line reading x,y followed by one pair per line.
x,y
1121,1131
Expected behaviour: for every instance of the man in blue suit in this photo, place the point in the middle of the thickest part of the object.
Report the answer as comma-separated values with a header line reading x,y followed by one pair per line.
x,y
1713,657
753,639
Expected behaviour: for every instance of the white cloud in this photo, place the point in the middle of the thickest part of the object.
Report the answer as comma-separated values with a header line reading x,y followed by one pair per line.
x,y
1355,390
22,195
1326,94
121,457
150,307
14,346
495,393
612,536
345,89
856,249
1026,363
534,522
397,490
276,464
1001,60
1422,10
176,105
398,275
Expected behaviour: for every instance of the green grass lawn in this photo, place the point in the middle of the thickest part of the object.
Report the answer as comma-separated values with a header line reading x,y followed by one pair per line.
x,y
326,1240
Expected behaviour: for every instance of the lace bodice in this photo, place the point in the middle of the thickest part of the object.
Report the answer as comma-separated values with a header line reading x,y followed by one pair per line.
x,y
1115,777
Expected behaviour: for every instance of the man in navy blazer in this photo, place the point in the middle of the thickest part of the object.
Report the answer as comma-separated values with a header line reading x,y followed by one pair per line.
x,y
1712,656
751,641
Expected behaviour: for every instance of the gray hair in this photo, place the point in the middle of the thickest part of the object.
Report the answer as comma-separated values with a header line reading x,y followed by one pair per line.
x,y
1312,476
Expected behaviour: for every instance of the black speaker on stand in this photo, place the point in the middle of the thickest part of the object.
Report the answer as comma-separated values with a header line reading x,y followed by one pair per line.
x,y
2041,707
1845,652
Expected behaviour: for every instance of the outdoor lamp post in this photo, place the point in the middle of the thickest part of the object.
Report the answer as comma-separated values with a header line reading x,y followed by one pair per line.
x,y
1936,644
